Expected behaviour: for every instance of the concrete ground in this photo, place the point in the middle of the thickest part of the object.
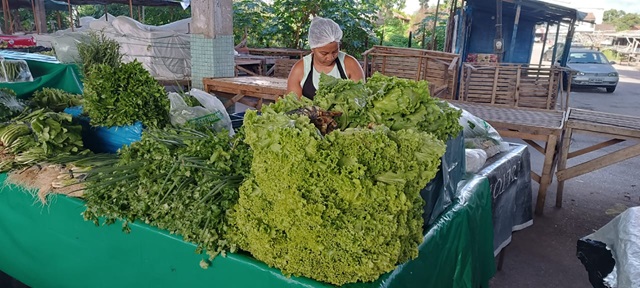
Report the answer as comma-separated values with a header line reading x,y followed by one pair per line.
x,y
544,255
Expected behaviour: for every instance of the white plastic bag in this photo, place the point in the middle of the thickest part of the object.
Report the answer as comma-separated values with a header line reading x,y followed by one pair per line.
x,y
14,71
475,160
212,112
478,134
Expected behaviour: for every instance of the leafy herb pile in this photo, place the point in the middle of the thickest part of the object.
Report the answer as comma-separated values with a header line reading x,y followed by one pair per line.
x,y
98,49
340,208
34,137
395,102
54,99
179,179
118,96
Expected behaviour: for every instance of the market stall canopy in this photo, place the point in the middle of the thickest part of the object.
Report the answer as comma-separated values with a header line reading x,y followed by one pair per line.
x,y
62,4
535,10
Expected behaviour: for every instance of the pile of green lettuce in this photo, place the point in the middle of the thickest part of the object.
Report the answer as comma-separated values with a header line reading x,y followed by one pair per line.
x,y
339,208
395,102
346,206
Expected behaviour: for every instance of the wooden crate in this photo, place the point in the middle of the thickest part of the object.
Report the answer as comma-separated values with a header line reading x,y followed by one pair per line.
x,y
440,69
514,85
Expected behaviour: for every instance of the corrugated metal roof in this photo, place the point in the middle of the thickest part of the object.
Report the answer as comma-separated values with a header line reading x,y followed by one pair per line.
x,y
538,11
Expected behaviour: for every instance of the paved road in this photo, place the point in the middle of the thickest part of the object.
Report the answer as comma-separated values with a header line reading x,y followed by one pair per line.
x,y
544,254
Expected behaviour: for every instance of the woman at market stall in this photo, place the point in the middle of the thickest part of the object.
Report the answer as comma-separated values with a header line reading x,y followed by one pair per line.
x,y
325,57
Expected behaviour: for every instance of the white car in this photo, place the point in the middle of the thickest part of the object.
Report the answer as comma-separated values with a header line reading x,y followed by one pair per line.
x,y
592,69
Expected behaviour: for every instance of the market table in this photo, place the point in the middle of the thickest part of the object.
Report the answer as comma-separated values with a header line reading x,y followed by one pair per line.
x,y
53,246
528,124
508,173
252,90
618,128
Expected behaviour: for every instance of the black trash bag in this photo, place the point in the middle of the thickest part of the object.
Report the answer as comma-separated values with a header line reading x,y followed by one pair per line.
x,y
597,259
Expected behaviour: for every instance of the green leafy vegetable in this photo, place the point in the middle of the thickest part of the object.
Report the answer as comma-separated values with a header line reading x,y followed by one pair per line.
x,y
341,208
395,102
98,49
182,180
117,96
10,106
36,136
54,99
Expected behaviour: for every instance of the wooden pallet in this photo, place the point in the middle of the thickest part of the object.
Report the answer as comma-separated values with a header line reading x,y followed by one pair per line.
x,y
529,86
282,67
440,69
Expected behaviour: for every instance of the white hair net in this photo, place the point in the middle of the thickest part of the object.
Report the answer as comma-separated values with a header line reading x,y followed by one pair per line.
x,y
323,31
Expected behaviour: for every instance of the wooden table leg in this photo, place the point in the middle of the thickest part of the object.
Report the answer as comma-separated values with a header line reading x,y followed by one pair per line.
x,y
233,100
545,179
564,154
259,105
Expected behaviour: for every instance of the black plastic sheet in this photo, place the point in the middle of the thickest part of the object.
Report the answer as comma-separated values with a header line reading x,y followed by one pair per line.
x,y
509,176
441,190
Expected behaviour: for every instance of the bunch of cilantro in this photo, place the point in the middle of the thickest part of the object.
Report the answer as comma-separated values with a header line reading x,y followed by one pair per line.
x,y
124,94
180,179
339,208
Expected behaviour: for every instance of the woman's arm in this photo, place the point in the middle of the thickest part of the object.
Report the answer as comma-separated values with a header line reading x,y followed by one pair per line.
x,y
295,76
353,69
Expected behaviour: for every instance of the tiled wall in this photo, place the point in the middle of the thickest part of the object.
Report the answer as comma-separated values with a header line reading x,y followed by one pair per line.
x,y
211,58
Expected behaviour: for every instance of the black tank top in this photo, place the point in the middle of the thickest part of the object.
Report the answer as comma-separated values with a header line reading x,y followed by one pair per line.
x,y
308,90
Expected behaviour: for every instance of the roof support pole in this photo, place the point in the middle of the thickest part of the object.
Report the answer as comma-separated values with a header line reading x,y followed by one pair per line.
x,y
5,13
514,35
70,15
555,45
499,42
106,13
544,44
41,16
212,51
567,42
59,20
10,18
35,16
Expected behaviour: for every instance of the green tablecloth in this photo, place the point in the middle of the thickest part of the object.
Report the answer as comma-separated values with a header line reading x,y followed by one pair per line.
x,y
52,246
50,75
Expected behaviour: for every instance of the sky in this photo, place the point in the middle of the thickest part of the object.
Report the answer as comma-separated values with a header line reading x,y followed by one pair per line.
x,y
629,6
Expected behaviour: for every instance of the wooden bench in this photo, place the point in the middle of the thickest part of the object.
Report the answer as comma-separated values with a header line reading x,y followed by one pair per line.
x,y
619,128
440,69
252,91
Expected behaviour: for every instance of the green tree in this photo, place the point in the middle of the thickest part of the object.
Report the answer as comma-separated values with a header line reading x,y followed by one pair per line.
x,y
627,21
386,7
612,15
253,19
291,19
